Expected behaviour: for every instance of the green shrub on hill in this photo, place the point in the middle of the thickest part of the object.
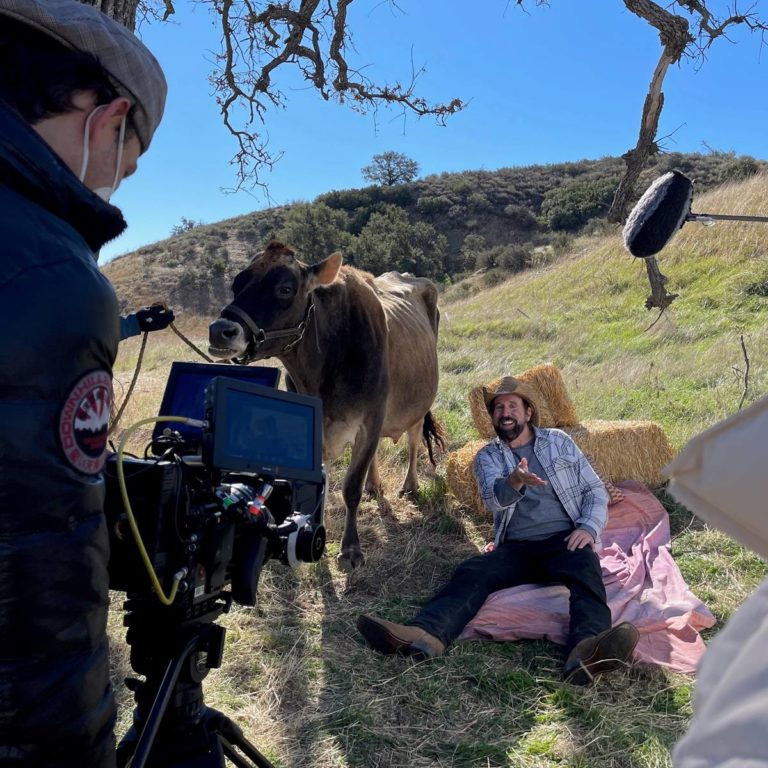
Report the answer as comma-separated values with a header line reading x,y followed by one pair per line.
x,y
520,217
315,231
390,241
349,199
429,204
573,205
739,169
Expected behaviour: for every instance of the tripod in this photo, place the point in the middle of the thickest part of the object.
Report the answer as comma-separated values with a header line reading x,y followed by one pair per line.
x,y
172,726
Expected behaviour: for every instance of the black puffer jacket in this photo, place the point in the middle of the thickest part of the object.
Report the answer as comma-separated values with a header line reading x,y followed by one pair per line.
x,y
59,331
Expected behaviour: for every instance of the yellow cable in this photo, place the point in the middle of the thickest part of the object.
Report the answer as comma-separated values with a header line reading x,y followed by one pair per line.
x,y
127,504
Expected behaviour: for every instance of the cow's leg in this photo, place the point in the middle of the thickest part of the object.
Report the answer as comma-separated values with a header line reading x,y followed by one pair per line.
x,y
373,483
411,481
363,453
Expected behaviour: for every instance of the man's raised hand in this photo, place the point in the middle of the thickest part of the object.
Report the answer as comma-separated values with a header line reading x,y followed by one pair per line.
x,y
521,476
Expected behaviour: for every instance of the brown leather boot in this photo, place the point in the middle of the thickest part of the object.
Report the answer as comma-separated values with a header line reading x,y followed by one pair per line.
x,y
601,653
389,638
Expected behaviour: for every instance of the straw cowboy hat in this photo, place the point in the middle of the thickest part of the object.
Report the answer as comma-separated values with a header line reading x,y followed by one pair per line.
x,y
509,385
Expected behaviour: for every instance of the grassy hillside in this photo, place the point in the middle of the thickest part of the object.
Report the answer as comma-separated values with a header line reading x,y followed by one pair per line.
x,y
295,675
443,227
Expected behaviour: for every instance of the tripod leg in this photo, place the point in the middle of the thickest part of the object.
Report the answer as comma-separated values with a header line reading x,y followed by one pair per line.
x,y
236,759
172,727
161,702
232,739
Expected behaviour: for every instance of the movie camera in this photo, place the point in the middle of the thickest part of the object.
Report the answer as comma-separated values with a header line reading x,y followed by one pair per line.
x,y
231,477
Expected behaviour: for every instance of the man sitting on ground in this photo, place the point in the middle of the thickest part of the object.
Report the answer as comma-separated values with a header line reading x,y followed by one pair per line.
x,y
548,508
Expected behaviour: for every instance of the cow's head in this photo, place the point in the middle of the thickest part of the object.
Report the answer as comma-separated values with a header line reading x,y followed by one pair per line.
x,y
272,305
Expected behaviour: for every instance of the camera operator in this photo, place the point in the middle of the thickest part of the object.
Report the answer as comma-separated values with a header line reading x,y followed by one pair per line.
x,y
80,98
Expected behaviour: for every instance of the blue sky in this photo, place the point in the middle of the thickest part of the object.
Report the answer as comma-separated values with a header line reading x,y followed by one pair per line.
x,y
559,83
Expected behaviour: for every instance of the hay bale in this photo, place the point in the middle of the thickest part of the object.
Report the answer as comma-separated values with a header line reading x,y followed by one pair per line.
x,y
555,405
460,475
549,381
625,450
480,415
619,450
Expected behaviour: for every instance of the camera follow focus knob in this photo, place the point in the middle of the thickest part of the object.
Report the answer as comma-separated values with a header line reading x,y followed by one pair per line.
x,y
310,543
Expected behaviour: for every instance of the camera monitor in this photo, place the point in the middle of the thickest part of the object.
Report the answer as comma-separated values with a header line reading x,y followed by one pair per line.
x,y
185,394
265,431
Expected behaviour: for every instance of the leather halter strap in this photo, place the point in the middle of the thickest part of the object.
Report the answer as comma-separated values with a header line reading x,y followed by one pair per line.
x,y
259,336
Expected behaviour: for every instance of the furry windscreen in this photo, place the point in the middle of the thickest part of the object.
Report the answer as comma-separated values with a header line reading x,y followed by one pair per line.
x,y
658,214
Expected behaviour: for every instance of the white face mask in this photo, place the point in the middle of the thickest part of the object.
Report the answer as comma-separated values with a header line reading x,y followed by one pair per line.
x,y
103,192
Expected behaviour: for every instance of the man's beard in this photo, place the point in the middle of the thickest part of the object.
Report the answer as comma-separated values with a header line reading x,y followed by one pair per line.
x,y
510,432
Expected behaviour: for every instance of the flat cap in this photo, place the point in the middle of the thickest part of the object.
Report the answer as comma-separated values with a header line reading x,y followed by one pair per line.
x,y
135,72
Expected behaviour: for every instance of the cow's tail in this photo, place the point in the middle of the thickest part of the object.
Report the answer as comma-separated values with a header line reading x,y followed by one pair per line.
x,y
433,432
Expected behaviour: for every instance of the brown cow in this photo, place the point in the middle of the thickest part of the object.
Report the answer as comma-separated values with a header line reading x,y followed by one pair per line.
x,y
367,347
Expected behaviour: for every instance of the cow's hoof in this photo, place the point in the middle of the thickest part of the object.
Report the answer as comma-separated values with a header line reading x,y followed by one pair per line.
x,y
409,493
374,491
349,561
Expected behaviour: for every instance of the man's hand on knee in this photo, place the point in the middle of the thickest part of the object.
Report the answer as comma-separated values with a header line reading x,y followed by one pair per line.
x,y
579,539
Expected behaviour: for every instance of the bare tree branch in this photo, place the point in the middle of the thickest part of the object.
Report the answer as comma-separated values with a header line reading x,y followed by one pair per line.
x,y
258,38
658,317
675,37
743,374
659,297
677,41
169,10
710,27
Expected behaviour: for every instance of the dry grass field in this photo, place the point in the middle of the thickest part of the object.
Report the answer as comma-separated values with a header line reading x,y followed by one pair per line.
x,y
296,676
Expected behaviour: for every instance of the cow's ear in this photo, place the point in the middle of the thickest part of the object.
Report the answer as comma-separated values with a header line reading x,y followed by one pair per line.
x,y
325,272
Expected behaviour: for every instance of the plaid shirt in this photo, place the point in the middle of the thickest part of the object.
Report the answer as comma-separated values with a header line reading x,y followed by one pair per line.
x,y
575,483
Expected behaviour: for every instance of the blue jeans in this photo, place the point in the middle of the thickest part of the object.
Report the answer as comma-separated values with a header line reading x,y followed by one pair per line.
x,y
546,561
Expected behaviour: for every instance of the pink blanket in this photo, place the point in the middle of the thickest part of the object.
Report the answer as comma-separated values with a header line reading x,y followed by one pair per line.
x,y
642,581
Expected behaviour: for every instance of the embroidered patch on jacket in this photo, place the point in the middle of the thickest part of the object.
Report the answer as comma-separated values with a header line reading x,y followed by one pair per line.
x,y
84,422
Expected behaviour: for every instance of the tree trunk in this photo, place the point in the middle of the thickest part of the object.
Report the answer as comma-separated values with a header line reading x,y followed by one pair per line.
x,y
673,31
659,297
646,145
123,11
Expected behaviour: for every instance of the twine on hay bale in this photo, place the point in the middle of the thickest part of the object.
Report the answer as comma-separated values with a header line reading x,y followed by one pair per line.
x,y
625,450
555,405
460,475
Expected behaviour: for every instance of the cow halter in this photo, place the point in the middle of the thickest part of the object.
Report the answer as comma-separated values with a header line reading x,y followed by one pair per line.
x,y
259,336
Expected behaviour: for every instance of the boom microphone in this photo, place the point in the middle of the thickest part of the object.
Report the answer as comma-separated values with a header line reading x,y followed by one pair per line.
x,y
663,209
